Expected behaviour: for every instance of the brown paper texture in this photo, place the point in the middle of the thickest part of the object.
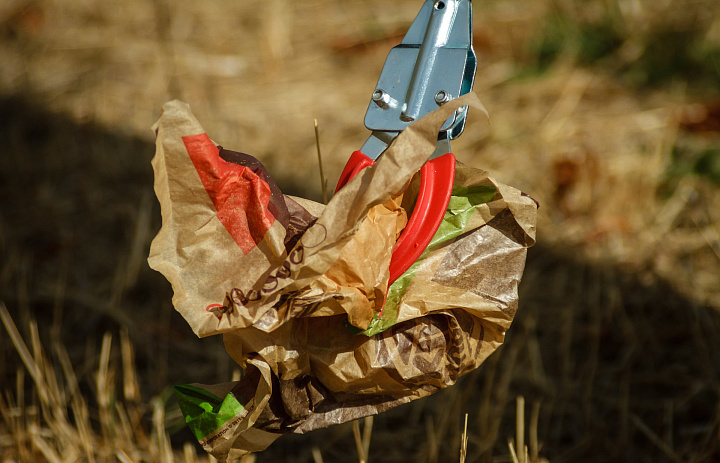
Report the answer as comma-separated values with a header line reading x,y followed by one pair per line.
x,y
300,290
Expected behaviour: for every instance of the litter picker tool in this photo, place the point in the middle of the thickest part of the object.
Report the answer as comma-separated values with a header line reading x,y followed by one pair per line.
x,y
434,64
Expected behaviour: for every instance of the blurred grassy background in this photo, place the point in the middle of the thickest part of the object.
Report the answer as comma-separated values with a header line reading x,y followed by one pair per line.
x,y
605,111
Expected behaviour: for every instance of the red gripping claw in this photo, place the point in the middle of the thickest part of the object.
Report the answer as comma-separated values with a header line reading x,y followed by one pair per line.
x,y
355,164
436,182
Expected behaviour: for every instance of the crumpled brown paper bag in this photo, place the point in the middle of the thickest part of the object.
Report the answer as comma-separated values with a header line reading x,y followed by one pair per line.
x,y
300,290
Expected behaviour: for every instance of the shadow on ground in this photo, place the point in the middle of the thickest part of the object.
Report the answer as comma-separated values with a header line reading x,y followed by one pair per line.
x,y
623,368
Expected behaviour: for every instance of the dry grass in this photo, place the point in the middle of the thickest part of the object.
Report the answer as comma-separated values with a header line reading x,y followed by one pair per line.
x,y
57,424
603,112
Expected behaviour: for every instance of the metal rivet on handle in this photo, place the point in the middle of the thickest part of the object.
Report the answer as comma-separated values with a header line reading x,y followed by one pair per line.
x,y
381,98
442,97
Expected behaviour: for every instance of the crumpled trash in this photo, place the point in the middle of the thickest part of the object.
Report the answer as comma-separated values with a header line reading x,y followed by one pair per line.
x,y
300,291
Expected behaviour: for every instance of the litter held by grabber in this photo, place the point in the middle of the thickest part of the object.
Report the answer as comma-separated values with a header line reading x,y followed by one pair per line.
x,y
340,311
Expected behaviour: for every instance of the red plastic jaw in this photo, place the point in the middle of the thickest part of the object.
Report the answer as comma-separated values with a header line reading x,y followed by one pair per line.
x,y
436,182
355,164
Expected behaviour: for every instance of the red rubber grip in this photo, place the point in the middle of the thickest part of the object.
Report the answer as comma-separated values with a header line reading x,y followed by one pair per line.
x,y
436,182
355,164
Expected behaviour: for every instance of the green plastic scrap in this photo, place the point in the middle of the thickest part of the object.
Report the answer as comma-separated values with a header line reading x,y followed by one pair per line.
x,y
205,412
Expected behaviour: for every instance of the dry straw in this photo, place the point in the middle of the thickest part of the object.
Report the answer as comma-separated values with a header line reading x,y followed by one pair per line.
x,y
57,423
118,433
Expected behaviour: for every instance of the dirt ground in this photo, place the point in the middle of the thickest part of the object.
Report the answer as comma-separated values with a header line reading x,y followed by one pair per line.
x,y
608,114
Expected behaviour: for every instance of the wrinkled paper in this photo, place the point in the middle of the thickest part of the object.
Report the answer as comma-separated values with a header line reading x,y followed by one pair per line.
x,y
300,291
